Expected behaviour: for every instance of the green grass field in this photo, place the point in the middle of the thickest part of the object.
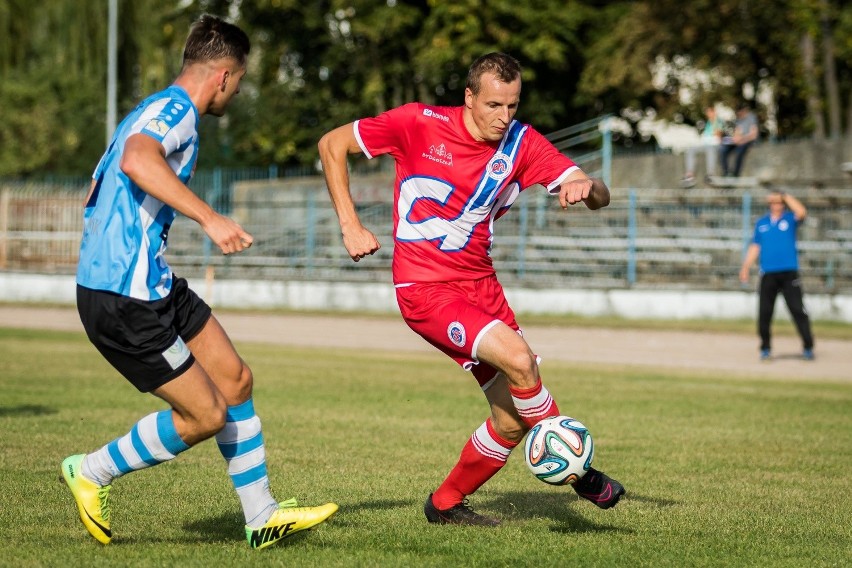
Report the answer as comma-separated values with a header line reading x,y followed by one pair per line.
x,y
719,472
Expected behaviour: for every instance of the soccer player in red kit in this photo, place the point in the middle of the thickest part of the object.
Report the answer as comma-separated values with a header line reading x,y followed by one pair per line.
x,y
457,170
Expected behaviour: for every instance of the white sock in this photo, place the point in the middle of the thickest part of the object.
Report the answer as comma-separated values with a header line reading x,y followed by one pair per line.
x,y
241,444
151,441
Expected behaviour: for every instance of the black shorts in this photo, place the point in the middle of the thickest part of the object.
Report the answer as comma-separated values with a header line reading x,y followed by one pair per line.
x,y
144,341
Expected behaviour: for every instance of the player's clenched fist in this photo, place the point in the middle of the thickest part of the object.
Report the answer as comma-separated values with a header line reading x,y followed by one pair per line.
x,y
574,191
360,242
594,193
228,235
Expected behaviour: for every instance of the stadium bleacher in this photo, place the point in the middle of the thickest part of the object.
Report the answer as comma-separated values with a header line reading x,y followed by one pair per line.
x,y
653,238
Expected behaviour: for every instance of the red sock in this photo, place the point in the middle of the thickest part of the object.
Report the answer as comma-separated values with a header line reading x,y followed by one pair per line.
x,y
484,454
534,404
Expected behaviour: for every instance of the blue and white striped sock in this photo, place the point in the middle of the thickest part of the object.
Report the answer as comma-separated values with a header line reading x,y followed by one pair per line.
x,y
241,444
151,441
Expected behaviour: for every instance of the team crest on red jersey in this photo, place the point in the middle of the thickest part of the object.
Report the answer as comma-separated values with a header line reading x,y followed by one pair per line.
x,y
500,166
457,334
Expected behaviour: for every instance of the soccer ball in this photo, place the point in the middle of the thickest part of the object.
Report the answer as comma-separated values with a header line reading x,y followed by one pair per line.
x,y
559,450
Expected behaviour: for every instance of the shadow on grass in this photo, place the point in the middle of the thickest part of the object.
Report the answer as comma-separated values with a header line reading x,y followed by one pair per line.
x,y
382,505
26,410
655,501
227,527
349,518
567,510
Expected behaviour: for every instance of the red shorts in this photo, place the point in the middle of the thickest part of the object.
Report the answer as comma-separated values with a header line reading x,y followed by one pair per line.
x,y
454,316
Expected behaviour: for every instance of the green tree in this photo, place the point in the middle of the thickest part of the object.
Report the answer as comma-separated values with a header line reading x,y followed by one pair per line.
x,y
49,62
321,63
718,50
548,39
316,65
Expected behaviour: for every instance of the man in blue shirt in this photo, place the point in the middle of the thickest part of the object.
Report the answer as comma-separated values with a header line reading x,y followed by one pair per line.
x,y
147,322
774,242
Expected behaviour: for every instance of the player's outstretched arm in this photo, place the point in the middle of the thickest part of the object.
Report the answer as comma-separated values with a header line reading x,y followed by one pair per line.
x,y
144,162
579,187
334,147
598,196
751,256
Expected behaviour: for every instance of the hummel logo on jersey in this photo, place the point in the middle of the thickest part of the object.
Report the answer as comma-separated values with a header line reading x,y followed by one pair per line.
x,y
267,534
177,354
433,114
157,127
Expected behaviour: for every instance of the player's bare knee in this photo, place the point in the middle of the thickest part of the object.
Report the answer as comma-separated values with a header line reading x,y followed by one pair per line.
x,y
245,381
213,419
216,421
523,370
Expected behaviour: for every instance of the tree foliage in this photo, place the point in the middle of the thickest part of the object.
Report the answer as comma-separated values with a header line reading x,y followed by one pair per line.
x,y
321,63
720,51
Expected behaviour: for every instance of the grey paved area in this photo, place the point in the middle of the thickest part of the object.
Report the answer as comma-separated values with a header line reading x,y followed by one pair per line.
x,y
726,354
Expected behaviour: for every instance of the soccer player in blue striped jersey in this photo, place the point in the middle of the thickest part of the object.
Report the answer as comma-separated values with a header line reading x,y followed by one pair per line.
x,y
147,322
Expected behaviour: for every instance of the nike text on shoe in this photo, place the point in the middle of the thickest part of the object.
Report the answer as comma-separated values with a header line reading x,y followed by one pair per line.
x,y
92,499
599,488
460,514
287,521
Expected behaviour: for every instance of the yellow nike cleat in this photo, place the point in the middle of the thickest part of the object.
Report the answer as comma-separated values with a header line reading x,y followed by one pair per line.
x,y
287,521
92,499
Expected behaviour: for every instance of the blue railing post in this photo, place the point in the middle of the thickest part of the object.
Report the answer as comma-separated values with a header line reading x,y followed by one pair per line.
x,y
523,222
746,224
631,240
541,199
606,159
213,201
273,171
310,229
217,190
829,275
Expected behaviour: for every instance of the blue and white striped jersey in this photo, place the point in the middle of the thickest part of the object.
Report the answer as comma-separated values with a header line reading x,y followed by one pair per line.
x,y
124,229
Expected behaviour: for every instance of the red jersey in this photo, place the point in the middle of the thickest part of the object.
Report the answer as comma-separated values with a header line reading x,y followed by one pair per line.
x,y
450,188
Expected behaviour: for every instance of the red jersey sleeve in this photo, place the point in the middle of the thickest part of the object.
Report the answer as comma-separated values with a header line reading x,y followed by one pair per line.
x,y
543,163
387,133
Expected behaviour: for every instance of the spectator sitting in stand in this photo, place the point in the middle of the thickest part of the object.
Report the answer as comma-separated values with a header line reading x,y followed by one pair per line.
x,y
744,135
711,137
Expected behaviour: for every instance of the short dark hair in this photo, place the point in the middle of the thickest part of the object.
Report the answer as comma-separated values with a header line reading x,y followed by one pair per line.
x,y
211,38
504,66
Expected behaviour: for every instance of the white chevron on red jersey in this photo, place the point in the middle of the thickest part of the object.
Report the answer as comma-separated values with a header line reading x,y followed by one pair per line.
x,y
450,188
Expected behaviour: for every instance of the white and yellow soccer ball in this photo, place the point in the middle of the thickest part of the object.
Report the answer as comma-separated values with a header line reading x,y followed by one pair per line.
x,y
559,450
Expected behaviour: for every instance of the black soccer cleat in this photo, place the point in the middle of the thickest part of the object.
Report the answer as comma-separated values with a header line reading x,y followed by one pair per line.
x,y
599,488
460,514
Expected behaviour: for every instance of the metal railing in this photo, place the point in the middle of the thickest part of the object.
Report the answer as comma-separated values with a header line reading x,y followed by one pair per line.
x,y
644,239
589,144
